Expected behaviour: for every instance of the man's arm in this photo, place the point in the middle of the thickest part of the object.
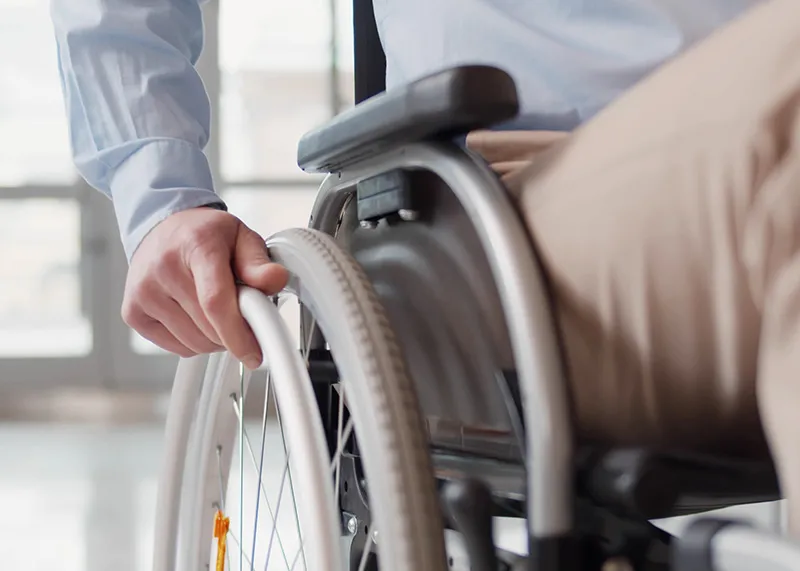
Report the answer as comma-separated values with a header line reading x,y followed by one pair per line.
x,y
138,112
139,119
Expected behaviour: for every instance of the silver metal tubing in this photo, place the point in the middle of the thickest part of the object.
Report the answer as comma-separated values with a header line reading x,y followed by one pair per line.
x,y
745,548
549,442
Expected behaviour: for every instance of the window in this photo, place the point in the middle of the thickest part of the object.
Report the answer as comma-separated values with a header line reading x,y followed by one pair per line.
x,y
273,71
269,210
41,310
274,66
33,127
47,333
284,68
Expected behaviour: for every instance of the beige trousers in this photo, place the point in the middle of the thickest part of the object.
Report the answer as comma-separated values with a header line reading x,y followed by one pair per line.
x,y
669,228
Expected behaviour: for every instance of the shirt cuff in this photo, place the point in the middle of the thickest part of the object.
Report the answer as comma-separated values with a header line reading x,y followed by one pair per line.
x,y
162,177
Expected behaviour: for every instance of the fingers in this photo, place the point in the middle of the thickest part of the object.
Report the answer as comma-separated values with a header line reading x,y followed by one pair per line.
x,y
163,321
184,292
217,296
253,266
178,322
156,333
181,292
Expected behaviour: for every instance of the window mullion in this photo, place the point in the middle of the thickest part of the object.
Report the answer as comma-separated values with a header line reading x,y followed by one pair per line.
x,y
209,69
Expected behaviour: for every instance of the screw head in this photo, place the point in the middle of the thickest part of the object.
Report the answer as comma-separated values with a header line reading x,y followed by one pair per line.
x,y
369,224
352,525
408,215
617,564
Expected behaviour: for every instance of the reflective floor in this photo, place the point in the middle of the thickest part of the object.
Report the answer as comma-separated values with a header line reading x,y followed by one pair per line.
x,y
77,497
81,496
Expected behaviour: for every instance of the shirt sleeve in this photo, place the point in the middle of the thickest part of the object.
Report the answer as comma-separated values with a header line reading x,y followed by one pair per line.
x,y
139,115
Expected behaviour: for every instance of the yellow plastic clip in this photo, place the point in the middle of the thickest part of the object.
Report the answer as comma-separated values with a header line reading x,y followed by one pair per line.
x,y
221,525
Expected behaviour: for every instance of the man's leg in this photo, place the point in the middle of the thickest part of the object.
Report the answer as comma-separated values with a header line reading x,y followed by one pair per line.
x,y
669,227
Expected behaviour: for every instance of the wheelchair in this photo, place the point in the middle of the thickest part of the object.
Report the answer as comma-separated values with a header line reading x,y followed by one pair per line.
x,y
425,404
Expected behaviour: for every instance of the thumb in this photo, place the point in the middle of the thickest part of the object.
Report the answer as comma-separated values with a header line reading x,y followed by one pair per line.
x,y
252,265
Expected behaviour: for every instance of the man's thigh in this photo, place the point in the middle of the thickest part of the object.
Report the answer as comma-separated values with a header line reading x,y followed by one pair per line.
x,y
645,222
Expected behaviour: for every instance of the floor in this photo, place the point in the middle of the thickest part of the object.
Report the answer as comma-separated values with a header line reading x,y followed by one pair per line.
x,y
77,497
81,496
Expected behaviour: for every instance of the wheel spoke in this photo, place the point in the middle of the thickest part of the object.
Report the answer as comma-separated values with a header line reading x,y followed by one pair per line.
x,y
277,509
297,556
219,475
241,551
273,514
344,431
365,554
291,488
337,455
267,388
242,373
307,347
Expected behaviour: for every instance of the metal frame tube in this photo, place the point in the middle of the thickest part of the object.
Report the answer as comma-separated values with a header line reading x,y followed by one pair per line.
x,y
744,548
549,442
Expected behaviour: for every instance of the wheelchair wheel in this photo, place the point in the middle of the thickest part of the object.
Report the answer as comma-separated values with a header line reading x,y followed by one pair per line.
x,y
214,504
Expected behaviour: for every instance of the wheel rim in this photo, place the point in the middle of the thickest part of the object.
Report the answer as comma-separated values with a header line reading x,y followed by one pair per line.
x,y
392,433
305,537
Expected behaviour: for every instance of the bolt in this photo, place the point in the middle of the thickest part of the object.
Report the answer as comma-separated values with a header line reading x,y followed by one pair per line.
x,y
368,224
617,564
352,525
408,215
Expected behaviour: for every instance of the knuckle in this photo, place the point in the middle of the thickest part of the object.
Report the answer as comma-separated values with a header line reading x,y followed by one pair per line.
x,y
210,236
167,261
141,294
129,316
132,314
213,301
202,239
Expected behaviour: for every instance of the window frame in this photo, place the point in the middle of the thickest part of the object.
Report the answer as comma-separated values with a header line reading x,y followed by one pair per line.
x,y
113,362
131,369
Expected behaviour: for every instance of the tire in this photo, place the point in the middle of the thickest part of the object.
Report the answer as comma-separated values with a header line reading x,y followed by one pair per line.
x,y
380,397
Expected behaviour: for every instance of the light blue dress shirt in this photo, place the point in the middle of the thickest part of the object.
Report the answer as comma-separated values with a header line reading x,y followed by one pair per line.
x,y
139,116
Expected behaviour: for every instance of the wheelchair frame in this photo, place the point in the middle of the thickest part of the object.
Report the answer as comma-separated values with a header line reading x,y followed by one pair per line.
x,y
523,294
418,124
708,544
546,415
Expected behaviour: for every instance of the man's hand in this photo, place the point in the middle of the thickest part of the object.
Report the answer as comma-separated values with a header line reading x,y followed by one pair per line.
x,y
180,292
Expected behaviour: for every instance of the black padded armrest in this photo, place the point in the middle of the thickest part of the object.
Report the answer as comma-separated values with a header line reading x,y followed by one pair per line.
x,y
443,104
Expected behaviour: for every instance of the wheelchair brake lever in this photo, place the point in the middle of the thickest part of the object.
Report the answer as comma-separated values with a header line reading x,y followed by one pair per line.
x,y
468,504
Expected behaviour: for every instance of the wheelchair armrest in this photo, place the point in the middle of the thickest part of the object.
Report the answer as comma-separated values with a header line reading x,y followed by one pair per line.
x,y
444,104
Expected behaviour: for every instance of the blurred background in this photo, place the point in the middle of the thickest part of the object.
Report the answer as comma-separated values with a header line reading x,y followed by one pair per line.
x,y
81,398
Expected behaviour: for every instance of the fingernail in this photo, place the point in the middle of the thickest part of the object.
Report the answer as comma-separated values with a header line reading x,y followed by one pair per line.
x,y
252,361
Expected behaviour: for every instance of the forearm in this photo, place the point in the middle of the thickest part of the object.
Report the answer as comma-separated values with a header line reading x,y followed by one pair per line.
x,y
138,113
